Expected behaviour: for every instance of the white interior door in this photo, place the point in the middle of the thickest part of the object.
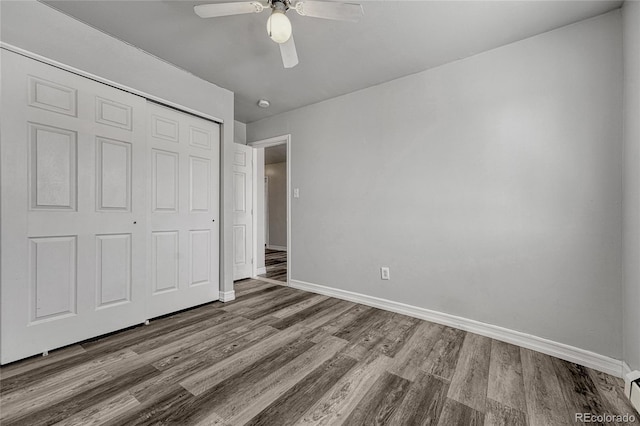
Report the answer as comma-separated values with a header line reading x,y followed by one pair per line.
x,y
242,212
183,153
73,219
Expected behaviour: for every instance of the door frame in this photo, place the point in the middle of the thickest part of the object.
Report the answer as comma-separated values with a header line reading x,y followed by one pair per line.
x,y
266,212
265,143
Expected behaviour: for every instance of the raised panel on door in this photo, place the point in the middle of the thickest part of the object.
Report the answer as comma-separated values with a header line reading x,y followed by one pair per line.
x,y
52,272
165,181
113,165
165,128
53,167
74,172
184,156
113,269
239,247
200,138
199,257
113,113
51,96
164,266
199,184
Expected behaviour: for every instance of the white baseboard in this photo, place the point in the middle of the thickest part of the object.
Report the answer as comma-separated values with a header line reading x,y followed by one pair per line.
x,y
261,271
539,344
272,247
227,296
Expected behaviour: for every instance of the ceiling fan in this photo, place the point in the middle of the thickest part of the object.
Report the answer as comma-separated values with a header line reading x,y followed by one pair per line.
x,y
278,25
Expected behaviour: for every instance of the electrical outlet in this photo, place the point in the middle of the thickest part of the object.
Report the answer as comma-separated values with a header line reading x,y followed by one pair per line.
x,y
384,273
296,192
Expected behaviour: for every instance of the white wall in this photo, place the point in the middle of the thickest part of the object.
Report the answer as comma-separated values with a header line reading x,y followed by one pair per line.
x,y
631,42
239,132
492,187
277,203
40,29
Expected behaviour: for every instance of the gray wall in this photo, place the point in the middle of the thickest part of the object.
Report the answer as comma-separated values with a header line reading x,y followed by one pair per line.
x,y
239,133
277,203
40,29
631,25
492,187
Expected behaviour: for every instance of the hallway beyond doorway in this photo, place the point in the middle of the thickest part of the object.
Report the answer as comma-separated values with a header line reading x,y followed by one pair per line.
x,y
276,264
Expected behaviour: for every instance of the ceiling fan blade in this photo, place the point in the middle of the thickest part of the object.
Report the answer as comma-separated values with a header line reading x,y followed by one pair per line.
x,y
226,9
289,54
330,10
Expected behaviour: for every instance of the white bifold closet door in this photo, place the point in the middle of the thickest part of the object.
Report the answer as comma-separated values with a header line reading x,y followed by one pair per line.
x,y
184,205
73,208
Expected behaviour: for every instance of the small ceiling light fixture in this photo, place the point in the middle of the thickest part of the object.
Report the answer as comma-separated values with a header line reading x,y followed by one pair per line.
x,y
278,25
263,103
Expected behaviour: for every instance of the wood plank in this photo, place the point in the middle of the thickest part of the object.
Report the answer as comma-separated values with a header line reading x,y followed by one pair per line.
x,y
359,324
67,368
190,410
291,310
331,327
211,376
249,286
380,403
49,392
150,412
498,414
317,320
396,333
101,413
74,404
455,413
226,391
612,389
414,354
334,407
443,358
290,406
276,306
38,361
424,402
157,327
471,377
272,387
545,403
318,309
209,326
579,391
506,385
196,362
254,298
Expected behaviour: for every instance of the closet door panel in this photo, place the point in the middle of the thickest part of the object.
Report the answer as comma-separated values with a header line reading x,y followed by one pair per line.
x,y
73,199
183,155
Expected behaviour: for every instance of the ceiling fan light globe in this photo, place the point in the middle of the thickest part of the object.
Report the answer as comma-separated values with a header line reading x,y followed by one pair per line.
x,y
279,27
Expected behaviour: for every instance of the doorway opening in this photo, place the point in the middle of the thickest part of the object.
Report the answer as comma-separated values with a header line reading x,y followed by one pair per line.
x,y
272,219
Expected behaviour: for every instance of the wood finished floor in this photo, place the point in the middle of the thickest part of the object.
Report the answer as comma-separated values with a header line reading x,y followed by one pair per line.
x,y
276,264
280,356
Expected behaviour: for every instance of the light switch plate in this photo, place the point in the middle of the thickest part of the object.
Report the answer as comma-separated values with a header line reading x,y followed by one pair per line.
x,y
385,274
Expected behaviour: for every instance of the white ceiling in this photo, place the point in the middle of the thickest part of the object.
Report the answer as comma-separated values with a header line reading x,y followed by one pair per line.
x,y
394,39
